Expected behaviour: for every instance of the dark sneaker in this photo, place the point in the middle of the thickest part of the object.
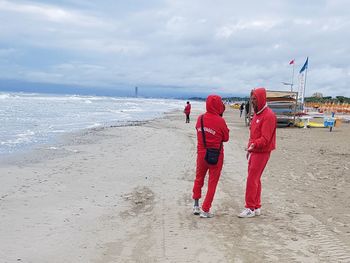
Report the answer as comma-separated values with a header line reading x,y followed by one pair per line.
x,y
196,210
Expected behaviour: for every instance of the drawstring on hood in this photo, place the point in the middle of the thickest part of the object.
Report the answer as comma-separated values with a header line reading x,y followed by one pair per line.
x,y
260,111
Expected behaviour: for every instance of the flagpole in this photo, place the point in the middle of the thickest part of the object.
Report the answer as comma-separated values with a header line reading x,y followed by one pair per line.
x,y
291,86
304,87
303,81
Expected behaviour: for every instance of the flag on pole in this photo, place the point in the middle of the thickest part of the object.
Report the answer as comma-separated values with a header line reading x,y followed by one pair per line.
x,y
305,65
291,62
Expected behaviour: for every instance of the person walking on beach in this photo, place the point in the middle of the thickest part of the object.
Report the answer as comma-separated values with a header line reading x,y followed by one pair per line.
x,y
262,141
241,108
215,131
187,111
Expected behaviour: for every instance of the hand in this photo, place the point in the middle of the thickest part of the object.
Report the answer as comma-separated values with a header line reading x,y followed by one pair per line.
x,y
251,147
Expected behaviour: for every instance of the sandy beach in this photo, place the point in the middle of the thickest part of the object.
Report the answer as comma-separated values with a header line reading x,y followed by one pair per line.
x,y
123,194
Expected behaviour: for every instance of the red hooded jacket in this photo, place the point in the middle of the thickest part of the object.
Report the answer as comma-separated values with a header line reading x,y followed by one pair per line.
x,y
263,125
215,127
187,109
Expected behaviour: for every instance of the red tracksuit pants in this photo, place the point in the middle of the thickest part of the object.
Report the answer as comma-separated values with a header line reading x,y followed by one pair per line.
x,y
256,166
214,175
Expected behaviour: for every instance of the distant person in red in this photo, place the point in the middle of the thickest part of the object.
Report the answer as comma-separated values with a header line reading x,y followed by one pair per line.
x,y
261,142
187,111
216,132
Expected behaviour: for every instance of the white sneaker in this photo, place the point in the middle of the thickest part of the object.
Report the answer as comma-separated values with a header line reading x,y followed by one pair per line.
x,y
196,210
205,214
257,211
247,212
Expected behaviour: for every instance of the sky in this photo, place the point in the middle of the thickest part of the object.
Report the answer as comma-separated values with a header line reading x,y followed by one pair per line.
x,y
177,46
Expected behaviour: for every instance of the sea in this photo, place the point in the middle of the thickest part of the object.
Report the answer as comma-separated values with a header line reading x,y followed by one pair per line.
x,y
28,120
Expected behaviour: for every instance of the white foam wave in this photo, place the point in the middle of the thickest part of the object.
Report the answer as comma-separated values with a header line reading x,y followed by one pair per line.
x,y
4,96
95,125
28,119
20,138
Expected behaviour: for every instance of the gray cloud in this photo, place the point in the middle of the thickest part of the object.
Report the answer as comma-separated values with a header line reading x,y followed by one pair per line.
x,y
224,45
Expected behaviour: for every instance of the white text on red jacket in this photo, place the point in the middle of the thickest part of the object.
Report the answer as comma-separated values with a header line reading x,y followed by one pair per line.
x,y
207,130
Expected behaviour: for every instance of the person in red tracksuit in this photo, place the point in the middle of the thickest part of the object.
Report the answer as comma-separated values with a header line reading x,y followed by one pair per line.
x,y
261,142
187,111
216,132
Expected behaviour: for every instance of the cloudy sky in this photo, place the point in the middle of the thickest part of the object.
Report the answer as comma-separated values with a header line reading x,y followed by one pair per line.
x,y
221,46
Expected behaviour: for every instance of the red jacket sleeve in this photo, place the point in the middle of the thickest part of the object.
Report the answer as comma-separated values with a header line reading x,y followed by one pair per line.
x,y
226,132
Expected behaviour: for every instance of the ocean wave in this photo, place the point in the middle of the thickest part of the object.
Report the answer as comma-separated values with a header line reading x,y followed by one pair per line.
x,y
30,119
20,138
4,96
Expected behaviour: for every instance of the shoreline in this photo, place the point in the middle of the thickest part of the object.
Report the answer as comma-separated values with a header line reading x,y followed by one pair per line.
x,y
55,147
34,121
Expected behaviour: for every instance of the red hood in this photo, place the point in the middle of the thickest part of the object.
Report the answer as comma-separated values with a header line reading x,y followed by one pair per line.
x,y
215,105
260,94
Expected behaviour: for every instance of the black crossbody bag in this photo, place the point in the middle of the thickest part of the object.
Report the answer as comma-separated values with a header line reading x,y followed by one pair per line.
x,y
212,154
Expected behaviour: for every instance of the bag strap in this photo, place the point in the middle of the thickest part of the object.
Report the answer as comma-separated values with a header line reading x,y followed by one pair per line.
x,y
203,134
